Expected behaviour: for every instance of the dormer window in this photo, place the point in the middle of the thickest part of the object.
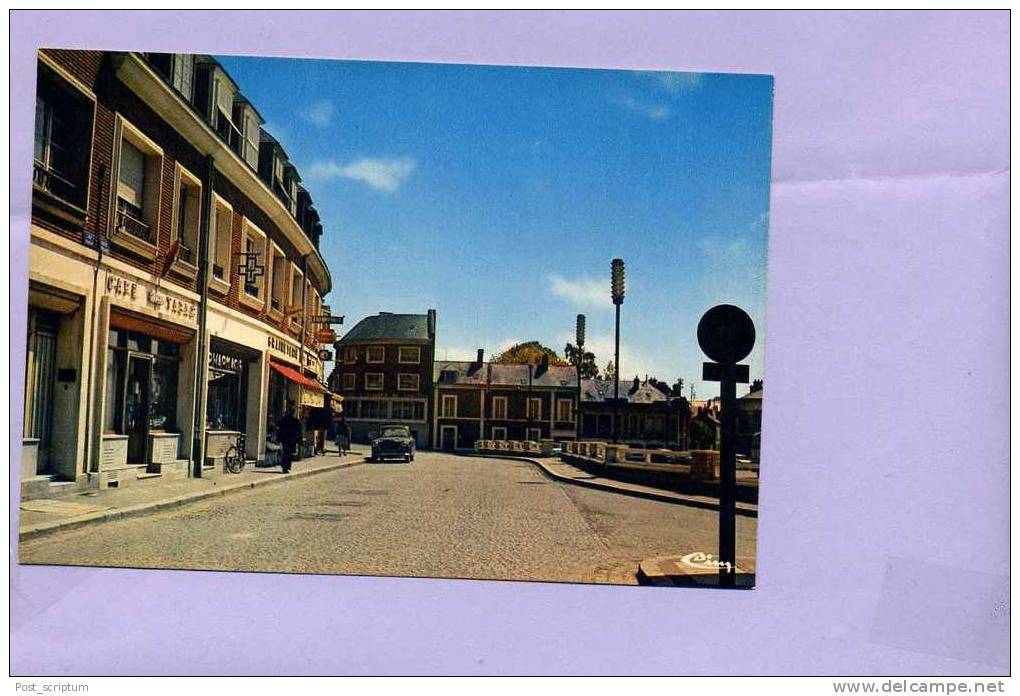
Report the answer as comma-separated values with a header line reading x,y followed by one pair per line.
x,y
448,376
248,123
223,111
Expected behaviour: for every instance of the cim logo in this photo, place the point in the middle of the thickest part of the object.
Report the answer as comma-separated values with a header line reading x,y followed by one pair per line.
x,y
703,560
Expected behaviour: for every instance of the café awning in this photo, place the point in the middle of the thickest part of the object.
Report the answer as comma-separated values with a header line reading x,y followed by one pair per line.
x,y
296,377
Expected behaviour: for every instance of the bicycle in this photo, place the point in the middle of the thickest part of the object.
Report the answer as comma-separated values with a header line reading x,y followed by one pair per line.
x,y
234,458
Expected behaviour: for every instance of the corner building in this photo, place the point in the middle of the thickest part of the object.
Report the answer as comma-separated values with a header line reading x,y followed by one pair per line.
x,y
175,279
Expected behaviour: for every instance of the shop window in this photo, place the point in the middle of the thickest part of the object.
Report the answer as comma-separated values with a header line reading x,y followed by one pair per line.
x,y
163,406
63,140
40,370
348,381
228,392
499,407
534,409
187,214
407,381
375,354
373,381
139,172
409,355
409,410
374,409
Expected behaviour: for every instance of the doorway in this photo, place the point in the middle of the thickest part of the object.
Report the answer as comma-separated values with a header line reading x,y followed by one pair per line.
x,y
448,438
136,406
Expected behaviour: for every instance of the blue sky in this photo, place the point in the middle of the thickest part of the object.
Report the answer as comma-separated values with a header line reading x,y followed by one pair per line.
x,y
499,195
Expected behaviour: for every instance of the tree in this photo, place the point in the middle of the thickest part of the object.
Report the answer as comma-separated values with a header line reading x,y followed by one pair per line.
x,y
588,367
530,353
610,372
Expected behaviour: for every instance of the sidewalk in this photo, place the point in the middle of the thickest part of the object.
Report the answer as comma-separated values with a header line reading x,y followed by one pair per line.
x,y
561,471
44,516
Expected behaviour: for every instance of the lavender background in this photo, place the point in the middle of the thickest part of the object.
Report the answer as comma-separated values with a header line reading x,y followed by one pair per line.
x,y
886,462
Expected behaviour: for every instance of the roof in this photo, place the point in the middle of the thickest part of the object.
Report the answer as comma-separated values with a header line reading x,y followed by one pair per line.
x,y
754,394
602,390
469,372
387,326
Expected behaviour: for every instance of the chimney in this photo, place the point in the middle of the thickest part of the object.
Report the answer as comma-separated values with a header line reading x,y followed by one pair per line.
x,y
543,367
432,324
481,357
637,385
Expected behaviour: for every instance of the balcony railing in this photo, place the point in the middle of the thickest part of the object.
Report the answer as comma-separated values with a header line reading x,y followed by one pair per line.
x,y
49,179
129,221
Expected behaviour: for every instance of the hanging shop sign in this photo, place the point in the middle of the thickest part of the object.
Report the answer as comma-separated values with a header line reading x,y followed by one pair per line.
x,y
313,362
315,399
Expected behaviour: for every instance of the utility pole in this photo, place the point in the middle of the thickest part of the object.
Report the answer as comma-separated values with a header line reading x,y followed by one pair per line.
x,y
578,357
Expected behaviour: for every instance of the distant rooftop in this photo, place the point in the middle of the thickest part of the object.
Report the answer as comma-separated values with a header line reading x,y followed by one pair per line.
x,y
387,326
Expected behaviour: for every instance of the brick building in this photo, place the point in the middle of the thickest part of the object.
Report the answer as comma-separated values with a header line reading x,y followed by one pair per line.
x,y
647,415
479,400
384,373
173,282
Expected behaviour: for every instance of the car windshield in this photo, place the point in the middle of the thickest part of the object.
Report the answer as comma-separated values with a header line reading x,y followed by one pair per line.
x,y
394,432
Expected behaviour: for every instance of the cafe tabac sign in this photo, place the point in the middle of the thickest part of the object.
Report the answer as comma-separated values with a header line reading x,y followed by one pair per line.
x,y
127,291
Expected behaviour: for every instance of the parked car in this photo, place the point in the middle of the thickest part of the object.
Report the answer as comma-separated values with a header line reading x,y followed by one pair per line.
x,y
392,441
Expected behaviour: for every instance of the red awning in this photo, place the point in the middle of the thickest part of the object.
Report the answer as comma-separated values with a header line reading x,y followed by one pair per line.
x,y
296,377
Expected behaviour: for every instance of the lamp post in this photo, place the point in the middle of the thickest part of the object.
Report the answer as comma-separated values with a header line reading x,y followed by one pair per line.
x,y
579,356
617,288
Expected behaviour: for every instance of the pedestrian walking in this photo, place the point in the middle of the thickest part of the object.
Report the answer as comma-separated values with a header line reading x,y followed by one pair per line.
x,y
343,437
288,431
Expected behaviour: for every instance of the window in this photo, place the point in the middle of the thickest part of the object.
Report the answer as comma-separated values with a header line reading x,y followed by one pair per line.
x,y
347,381
409,355
248,123
63,139
374,409
187,214
534,409
407,381
408,410
499,432
178,69
534,434
223,111
141,381
375,354
373,381
499,408
253,279
296,302
228,392
139,173
448,376
449,409
222,229
279,280
565,410
350,355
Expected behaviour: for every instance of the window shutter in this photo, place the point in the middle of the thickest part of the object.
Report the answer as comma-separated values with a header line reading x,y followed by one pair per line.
x,y
132,174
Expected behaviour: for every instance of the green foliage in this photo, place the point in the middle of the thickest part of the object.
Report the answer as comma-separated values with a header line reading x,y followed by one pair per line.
x,y
589,369
530,353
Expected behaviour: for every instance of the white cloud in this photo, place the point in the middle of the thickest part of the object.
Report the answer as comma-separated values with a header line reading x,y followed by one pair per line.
x,y
319,114
677,82
381,174
584,292
656,112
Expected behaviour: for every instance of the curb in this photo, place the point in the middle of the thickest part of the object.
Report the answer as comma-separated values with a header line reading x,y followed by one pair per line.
x,y
45,529
744,511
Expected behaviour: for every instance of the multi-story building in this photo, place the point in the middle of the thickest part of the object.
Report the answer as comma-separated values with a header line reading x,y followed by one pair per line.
x,y
480,400
174,282
647,416
384,373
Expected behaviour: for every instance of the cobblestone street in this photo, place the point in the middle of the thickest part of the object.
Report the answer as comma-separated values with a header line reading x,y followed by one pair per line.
x,y
439,516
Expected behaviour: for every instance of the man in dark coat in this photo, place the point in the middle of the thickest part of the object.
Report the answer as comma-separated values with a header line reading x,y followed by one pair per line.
x,y
288,432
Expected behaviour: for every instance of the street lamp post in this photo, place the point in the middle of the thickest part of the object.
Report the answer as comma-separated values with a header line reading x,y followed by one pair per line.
x,y
579,356
617,288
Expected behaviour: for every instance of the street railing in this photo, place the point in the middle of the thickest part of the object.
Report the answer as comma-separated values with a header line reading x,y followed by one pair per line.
x,y
541,448
697,464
